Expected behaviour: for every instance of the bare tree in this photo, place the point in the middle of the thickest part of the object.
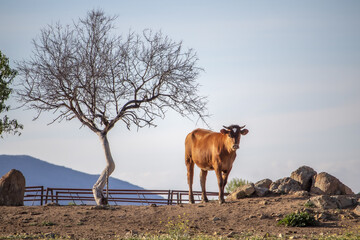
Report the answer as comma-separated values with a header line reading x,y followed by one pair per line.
x,y
86,71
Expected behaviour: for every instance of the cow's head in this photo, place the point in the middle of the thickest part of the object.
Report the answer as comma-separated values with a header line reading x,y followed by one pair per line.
x,y
234,133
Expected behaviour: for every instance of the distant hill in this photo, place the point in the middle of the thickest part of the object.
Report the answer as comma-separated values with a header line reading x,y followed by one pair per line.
x,y
41,173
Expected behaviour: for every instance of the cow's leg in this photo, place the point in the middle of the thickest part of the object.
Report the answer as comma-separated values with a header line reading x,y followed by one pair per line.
x,y
225,175
203,175
220,180
190,177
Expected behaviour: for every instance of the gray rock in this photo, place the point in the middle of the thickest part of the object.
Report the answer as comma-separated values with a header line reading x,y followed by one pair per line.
x,y
265,183
261,192
285,185
242,192
343,201
302,194
324,202
216,219
304,175
12,189
334,202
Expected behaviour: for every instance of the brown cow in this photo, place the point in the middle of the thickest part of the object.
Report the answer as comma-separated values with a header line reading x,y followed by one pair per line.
x,y
212,151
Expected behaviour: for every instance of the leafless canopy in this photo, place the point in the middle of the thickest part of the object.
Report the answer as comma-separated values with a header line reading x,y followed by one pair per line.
x,y
86,71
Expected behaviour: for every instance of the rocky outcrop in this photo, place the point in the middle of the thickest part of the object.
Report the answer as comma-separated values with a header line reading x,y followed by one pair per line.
x,y
285,185
304,175
304,182
327,184
12,189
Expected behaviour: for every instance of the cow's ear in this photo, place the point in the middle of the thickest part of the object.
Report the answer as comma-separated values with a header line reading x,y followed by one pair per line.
x,y
244,132
224,131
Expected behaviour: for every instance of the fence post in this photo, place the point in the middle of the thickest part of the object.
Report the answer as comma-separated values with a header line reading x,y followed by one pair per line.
x,y
47,195
169,196
42,195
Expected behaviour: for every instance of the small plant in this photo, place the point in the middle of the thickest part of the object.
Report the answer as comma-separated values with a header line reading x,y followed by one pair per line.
x,y
179,228
301,219
46,223
309,204
71,204
234,183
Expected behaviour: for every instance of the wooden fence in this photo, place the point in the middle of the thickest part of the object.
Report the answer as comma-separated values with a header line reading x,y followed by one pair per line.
x,y
38,195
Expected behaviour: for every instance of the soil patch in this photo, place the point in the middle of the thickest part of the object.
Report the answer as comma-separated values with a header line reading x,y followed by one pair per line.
x,y
253,216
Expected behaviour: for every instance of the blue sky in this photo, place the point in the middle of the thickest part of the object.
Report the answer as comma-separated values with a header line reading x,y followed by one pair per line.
x,y
289,70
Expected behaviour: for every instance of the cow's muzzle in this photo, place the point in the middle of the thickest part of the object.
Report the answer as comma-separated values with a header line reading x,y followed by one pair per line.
x,y
236,146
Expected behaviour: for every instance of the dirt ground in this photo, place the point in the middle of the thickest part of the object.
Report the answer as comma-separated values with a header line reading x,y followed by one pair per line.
x,y
245,217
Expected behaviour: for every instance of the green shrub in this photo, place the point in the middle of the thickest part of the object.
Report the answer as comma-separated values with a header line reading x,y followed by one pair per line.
x,y
234,183
309,204
301,219
46,223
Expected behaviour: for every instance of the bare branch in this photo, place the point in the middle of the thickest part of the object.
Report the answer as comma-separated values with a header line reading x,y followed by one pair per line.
x,y
87,72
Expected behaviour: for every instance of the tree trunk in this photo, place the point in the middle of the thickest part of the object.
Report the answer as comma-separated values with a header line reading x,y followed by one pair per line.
x,y
100,183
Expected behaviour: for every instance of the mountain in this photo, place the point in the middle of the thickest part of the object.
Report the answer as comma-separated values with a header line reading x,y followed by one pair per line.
x,y
41,173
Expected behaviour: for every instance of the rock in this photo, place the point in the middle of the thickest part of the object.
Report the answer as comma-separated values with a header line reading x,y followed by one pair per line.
x,y
357,210
216,219
12,189
242,192
261,192
322,216
302,194
265,183
325,183
52,204
333,202
343,201
285,185
304,175
264,216
131,233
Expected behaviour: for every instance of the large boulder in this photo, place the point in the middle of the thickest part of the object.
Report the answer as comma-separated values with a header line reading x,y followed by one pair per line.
x,y
324,183
334,202
242,192
12,189
285,185
262,187
265,183
304,175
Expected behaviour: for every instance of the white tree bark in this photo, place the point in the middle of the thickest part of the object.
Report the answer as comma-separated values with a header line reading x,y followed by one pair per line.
x,y
100,183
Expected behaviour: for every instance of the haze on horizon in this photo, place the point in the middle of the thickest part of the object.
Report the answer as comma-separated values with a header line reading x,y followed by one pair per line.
x,y
289,70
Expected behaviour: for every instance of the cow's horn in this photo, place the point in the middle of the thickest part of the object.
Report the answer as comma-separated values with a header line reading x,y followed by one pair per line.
x,y
242,127
228,128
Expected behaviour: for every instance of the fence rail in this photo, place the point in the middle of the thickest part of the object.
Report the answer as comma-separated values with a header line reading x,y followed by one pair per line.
x,y
38,195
